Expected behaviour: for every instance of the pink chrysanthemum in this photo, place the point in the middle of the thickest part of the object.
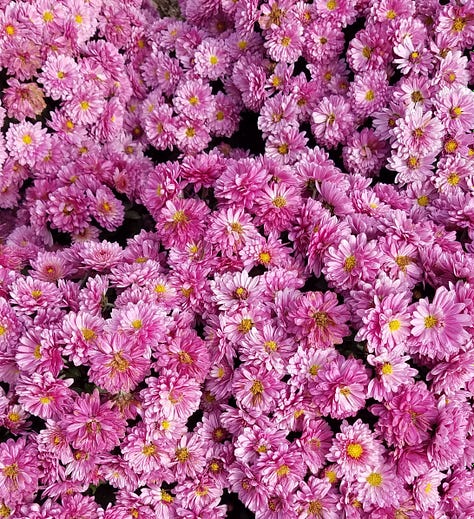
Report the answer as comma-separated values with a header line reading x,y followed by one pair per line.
x,y
319,319
94,426
26,142
438,328
332,121
118,364
355,449
60,76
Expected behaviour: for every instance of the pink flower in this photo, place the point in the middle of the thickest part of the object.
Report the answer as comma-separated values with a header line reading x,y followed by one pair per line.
x,y
26,142
408,416
284,43
318,319
425,489
19,470
332,121
94,426
438,328
117,364
315,442
341,387
60,76
455,108
355,449
284,466
211,59
31,295
256,389
44,396
317,497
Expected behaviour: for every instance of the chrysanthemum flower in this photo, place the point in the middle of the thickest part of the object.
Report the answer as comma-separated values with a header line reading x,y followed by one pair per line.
x,y
284,466
408,416
341,387
32,295
94,426
425,489
438,328
117,364
332,121
284,43
315,442
455,108
355,449
26,142
378,485
60,76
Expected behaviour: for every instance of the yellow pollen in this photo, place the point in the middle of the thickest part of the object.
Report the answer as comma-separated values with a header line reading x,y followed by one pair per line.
x,y
184,357
370,95
13,417
106,207
356,503
187,291
391,14
10,30
270,346
257,388
315,508
283,471
428,488
423,200
331,118
458,24
430,321
167,498
140,43
387,368
455,112
165,425
84,105
417,132
236,227
182,454
283,149
180,217
313,370
220,115
27,139
350,263
88,334
321,319
245,325
220,372
264,257
78,18
118,363
450,146
69,125
137,324
149,449
331,476
36,294
190,132
416,96
413,162
160,289
327,76
394,325
45,400
242,44
279,202
453,179
3,330
345,391
366,52
414,55
331,5
37,352
11,471
285,41
323,40
5,511
134,513
262,449
193,100
354,450
276,81
451,77
403,262
241,293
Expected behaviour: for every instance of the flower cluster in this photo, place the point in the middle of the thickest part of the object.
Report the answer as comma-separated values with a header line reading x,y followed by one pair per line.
x,y
236,259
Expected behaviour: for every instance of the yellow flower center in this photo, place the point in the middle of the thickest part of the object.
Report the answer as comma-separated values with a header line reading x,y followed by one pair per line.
x,y
370,95
256,388
46,400
321,319
149,449
391,14
88,334
245,325
458,24
283,149
190,132
313,370
331,476
27,139
279,202
37,352
350,263
241,293
430,321
167,498
354,450
137,324
213,60
417,96
193,100
184,357
13,417
403,262
160,289
345,391
331,118
323,40
418,133
242,44
453,179
182,454
315,508
455,112
180,217
413,162
220,115
270,346
78,18
10,30
285,41
394,325
366,52
264,257
387,368
119,363
423,200
331,5
5,511
11,471
36,294
3,330
283,471
450,146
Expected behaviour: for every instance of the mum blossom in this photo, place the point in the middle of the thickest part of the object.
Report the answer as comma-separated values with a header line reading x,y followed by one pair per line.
x,y
439,328
26,142
378,485
93,426
332,120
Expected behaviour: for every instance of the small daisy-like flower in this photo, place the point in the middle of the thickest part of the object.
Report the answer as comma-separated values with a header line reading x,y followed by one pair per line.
x,y
107,210
355,449
354,259
30,295
26,142
284,466
412,57
86,105
425,489
332,120
369,92
284,43
193,98
60,76
256,389
378,485
94,426
211,59
287,146
439,328
277,207
455,108
324,41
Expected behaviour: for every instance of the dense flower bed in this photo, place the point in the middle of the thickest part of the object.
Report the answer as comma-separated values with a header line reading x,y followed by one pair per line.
x,y
236,259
